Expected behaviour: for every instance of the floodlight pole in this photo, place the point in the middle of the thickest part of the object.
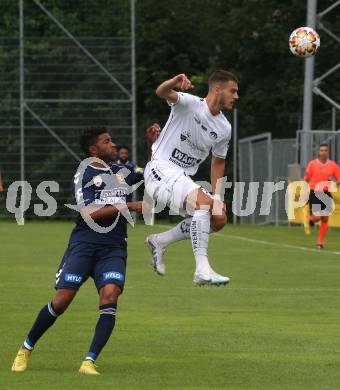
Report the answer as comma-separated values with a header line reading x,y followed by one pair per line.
x,y
308,88
333,118
235,156
133,82
22,108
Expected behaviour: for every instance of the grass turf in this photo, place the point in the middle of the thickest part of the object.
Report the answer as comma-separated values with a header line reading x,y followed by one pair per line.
x,y
275,327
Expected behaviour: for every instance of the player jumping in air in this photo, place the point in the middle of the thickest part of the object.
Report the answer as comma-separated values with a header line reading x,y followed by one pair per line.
x,y
320,175
91,253
195,127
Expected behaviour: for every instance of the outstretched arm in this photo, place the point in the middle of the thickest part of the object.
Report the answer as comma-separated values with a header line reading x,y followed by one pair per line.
x,y
1,184
167,90
99,214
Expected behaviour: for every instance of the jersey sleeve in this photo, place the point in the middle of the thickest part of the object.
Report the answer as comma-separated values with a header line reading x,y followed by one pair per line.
x,y
184,101
309,171
220,149
84,192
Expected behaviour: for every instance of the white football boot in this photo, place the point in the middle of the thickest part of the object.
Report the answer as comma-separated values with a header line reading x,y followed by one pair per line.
x,y
202,278
157,252
217,279
210,278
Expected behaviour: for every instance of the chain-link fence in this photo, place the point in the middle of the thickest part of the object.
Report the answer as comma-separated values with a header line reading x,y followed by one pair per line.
x,y
263,159
64,84
311,140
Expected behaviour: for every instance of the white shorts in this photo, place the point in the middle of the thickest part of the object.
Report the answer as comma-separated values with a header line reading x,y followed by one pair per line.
x,y
167,186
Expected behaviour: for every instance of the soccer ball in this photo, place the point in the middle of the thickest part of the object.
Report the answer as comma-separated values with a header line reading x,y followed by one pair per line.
x,y
304,42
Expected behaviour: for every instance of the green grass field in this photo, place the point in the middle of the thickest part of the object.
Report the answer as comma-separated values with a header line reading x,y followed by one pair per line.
x,y
276,326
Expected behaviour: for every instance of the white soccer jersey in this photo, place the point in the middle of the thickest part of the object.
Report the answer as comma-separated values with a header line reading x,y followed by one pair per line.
x,y
190,133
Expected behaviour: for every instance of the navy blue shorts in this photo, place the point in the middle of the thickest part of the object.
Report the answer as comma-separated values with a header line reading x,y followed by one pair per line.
x,y
105,264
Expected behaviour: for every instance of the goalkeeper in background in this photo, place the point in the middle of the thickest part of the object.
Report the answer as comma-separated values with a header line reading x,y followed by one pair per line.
x,y
320,175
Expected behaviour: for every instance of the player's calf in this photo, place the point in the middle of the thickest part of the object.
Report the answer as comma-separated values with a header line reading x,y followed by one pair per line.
x,y
218,214
322,232
218,222
209,214
108,297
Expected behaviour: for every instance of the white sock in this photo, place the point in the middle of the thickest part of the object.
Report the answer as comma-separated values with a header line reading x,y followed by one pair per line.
x,y
177,233
199,233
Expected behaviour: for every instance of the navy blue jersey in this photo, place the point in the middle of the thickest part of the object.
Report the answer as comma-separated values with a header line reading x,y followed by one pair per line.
x,y
104,187
137,171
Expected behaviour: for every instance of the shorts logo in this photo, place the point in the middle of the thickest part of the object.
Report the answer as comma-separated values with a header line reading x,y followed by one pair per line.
x,y
73,278
113,275
182,159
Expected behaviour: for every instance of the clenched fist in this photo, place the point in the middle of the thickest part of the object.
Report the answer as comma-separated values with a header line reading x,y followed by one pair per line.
x,y
181,82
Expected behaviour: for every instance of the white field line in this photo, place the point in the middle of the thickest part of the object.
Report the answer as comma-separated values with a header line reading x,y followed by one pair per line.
x,y
268,243
245,289
289,289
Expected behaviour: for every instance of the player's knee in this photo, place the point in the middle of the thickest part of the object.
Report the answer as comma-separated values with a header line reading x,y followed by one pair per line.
x,y
110,294
62,300
110,298
60,305
205,204
197,199
218,222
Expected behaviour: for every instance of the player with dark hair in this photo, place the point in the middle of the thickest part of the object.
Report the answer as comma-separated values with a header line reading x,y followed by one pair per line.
x,y
320,175
123,154
98,253
123,159
195,127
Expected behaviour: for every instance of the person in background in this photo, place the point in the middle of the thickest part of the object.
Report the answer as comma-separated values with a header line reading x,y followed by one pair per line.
x,y
153,132
319,175
123,155
123,159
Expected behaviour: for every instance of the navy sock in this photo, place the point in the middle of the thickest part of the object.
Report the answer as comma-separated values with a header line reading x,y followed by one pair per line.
x,y
46,318
103,331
